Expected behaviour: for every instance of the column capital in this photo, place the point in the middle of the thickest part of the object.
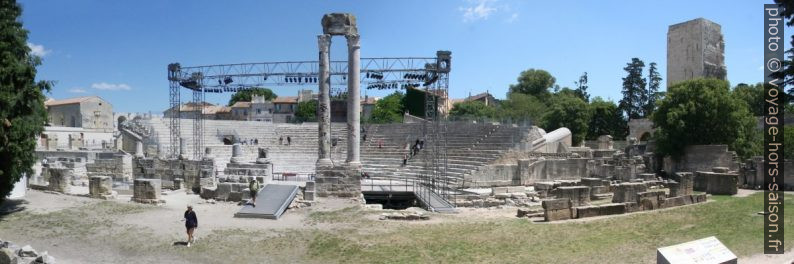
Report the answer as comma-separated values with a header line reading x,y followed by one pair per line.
x,y
353,39
324,41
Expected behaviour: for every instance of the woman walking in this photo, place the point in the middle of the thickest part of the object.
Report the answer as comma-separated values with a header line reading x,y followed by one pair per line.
x,y
191,222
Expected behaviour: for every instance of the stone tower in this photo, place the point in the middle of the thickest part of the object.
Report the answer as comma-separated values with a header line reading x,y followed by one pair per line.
x,y
695,49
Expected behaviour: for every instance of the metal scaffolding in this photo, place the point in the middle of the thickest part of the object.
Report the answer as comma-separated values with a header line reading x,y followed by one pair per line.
x,y
432,73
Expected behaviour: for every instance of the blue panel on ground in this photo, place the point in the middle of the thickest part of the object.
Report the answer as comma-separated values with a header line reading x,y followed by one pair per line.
x,y
271,202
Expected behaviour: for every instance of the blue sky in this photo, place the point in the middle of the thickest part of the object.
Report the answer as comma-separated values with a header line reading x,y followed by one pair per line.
x,y
119,50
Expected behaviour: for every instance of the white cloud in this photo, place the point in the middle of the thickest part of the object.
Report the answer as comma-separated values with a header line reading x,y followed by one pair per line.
x,y
512,18
38,50
481,10
111,86
77,90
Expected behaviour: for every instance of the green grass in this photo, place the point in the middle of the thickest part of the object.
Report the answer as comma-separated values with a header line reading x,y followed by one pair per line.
x,y
623,239
355,239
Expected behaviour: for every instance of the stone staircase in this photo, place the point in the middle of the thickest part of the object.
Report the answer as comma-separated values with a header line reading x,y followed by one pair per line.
x,y
468,145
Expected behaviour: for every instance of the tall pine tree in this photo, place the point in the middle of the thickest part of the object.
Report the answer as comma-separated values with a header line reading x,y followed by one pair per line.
x,y
654,80
634,92
581,88
22,113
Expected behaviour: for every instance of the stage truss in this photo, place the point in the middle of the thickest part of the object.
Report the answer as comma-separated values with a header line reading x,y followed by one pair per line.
x,y
429,73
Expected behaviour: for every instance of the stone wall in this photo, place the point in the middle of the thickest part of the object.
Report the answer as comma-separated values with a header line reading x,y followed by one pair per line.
x,y
702,158
116,165
338,181
579,195
59,179
558,209
191,171
493,175
147,191
100,187
627,192
751,174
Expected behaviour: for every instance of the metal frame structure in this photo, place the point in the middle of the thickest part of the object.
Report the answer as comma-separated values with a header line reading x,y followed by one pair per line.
x,y
376,73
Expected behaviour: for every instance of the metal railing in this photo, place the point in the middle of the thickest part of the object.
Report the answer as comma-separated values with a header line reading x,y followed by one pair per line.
x,y
290,176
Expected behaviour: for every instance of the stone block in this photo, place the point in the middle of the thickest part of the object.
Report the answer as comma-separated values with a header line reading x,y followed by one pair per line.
x,y
557,209
722,183
207,192
651,200
223,190
339,181
516,189
579,195
339,24
631,207
627,192
59,179
147,190
177,184
308,195
677,201
646,176
100,186
719,169
498,190
235,196
310,186
699,198
605,209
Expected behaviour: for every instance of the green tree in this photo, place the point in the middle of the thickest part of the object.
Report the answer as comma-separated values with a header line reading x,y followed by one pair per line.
x,y
581,88
568,110
471,110
634,92
247,94
703,111
654,81
519,106
535,82
753,95
607,119
389,109
307,111
22,112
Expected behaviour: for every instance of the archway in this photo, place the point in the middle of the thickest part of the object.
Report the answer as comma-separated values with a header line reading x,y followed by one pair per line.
x,y
645,137
121,120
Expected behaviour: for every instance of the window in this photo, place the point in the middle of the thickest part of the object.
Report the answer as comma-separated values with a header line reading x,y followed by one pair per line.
x,y
259,111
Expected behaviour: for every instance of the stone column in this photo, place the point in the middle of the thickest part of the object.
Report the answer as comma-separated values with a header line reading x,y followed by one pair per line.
x,y
353,99
182,149
237,153
324,108
138,149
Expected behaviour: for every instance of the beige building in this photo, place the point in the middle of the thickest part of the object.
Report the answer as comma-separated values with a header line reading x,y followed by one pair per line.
x,y
89,112
695,49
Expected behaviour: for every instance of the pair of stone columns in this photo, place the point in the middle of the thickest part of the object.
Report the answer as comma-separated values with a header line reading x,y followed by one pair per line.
x,y
353,101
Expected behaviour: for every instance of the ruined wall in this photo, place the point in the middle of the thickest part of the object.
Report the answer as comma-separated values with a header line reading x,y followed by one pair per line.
x,y
493,175
167,170
638,127
116,166
527,172
702,158
751,174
